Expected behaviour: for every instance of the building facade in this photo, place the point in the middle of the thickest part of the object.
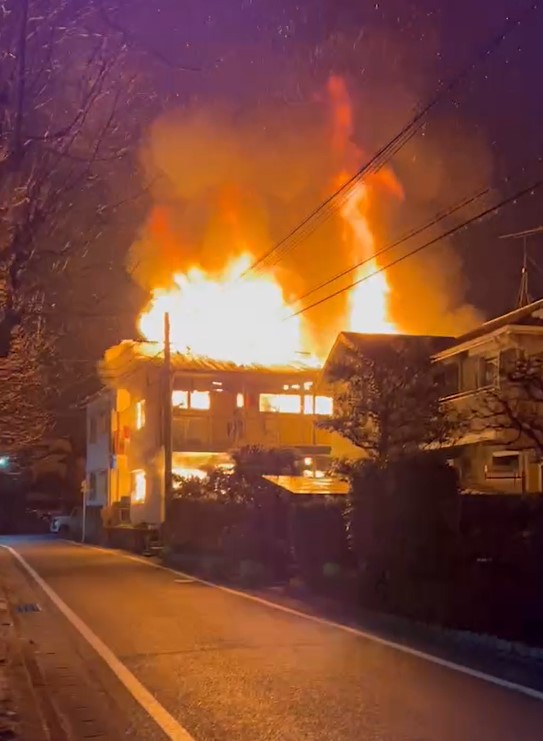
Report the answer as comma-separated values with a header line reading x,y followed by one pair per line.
x,y
215,407
491,456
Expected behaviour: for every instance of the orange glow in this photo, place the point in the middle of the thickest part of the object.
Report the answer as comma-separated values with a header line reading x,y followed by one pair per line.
x,y
227,317
235,314
368,301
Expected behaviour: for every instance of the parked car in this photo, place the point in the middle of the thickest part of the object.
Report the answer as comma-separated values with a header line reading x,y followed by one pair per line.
x,y
67,524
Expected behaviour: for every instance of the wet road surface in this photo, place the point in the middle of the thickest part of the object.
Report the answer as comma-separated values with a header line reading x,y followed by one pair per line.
x,y
229,668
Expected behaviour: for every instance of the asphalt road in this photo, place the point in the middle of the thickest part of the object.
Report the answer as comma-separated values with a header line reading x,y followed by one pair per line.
x,y
229,668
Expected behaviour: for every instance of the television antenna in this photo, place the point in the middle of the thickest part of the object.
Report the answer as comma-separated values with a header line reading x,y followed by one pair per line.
x,y
523,296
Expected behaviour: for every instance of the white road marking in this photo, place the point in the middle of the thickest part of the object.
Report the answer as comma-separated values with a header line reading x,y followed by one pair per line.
x,y
150,704
461,668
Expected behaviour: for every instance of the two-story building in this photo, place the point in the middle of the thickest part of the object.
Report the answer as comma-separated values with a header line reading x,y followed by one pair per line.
x,y
489,454
215,407
491,457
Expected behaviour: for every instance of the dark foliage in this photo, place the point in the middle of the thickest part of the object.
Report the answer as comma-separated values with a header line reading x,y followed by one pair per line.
x,y
319,540
387,400
403,528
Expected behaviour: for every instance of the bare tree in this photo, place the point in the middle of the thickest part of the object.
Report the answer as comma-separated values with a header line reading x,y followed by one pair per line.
x,y
513,407
24,415
71,115
65,98
388,402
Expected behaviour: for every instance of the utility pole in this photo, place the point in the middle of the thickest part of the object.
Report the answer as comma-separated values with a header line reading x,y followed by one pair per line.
x,y
523,296
167,411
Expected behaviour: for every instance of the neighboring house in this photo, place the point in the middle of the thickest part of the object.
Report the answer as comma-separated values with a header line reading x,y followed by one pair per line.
x,y
486,457
216,406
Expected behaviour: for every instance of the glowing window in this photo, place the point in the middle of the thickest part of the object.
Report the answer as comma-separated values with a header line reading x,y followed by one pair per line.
x,y
139,486
199,400
309,404
140,414
282,403
308,461
324,405
240,401
180,399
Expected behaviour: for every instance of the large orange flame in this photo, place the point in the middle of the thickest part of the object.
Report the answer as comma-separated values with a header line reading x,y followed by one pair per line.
x,y
368,300
239,315
231,316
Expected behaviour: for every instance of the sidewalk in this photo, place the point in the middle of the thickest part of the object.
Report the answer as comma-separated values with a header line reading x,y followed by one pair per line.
x,y
58,689
20,715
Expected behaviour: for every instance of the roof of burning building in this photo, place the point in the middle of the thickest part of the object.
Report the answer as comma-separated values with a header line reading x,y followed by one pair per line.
x,y
119,358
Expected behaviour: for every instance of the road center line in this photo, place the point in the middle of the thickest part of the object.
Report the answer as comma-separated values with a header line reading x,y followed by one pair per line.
x,y
453,666
166,722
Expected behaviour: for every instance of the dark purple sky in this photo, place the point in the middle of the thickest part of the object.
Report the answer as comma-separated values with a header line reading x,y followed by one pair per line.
x,y
393,54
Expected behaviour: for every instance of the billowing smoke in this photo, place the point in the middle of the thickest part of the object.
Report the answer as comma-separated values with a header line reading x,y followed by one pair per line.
x,y
228,180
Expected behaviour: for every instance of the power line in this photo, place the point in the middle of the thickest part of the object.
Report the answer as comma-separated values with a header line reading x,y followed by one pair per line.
x,y
404,135
450,210
496,207
397,243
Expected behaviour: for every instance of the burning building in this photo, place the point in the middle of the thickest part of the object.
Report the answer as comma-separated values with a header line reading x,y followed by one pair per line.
x,y
216,406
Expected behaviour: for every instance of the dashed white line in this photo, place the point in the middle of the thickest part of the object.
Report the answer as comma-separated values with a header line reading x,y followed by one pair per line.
x,y
168,724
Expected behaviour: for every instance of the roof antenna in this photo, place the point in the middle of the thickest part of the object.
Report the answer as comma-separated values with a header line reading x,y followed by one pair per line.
x,y
523,295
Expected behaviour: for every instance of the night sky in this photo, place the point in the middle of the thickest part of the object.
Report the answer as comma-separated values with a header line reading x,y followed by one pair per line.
x,y
393,55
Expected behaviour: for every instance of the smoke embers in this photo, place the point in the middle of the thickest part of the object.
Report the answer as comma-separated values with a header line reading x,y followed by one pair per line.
x,y
228,181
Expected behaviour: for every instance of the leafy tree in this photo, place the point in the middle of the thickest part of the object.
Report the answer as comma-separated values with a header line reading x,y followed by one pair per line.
x,y
388,398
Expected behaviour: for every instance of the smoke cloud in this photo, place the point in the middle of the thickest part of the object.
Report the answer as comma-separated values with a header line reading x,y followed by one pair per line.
x,y
229,180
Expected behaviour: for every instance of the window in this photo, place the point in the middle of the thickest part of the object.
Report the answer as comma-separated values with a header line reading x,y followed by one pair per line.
x,y
180,399
91,491
139,486
282,403
240,401
103,427
191,400
101,485
321,405
199,400
324,405
448,378
140,414
92,429
505,464
487,372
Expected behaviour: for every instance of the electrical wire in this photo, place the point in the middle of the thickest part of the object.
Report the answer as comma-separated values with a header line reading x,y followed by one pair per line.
x,y
449,211
493,209
398,141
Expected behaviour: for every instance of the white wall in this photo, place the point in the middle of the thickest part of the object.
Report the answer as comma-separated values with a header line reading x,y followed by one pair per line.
x,y
98,449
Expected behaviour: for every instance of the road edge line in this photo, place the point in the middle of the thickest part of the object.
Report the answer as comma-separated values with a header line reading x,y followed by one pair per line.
x,y
417,653
166,722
